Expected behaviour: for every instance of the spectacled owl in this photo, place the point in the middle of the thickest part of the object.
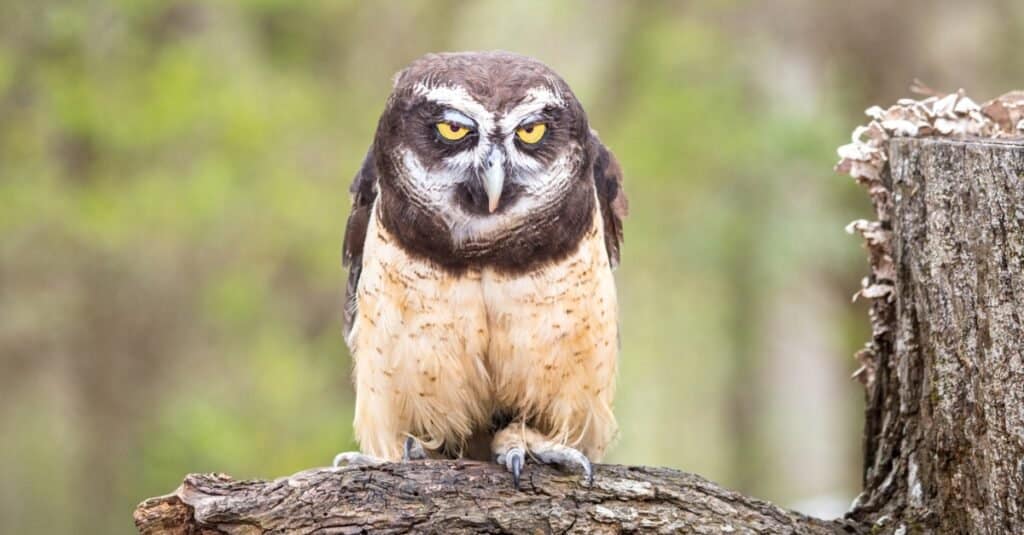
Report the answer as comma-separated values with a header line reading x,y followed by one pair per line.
x,y
480,309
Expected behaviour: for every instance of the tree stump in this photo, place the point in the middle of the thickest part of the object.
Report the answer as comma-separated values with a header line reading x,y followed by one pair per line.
x,y
945,412
944,379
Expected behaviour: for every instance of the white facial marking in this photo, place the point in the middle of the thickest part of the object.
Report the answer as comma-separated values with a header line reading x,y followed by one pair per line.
x,y
431,187
435,186
547,182
536,100
518,160
459,118
463,161
457,98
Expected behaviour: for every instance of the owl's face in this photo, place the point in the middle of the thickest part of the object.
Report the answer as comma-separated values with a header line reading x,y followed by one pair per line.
x,y
485,141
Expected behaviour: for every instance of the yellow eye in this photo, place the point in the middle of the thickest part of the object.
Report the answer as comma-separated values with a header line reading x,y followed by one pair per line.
x,y
452,131
531,133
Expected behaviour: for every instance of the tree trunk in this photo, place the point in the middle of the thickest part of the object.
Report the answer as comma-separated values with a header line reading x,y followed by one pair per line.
x,y
945,413
944,376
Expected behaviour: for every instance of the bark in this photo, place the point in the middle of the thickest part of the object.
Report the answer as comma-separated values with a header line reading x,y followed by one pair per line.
x,y
467,497
944,377
945,411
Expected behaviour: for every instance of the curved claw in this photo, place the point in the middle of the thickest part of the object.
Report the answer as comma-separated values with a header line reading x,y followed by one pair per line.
x,y
413,450
513,461
567,457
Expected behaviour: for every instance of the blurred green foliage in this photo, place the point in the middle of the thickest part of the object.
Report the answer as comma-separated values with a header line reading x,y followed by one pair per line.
x,y
173,191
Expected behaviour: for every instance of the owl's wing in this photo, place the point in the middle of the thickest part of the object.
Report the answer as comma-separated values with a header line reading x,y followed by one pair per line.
x,y
364,191
612,197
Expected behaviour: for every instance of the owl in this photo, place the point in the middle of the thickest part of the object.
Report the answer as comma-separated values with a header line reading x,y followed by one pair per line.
x,y
481,310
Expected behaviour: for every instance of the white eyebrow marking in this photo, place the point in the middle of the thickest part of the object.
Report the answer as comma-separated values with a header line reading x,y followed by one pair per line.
x,y
457,98
531,118
459,118
536,100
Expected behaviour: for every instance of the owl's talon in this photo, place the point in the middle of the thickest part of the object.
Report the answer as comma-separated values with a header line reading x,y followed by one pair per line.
x,y
355,458
566,457
513,461
413,450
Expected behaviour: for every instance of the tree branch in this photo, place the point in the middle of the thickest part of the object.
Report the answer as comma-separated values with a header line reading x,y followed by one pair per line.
x,y
467,497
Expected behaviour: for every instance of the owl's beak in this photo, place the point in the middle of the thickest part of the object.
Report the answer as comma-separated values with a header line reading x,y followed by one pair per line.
x,y
494,178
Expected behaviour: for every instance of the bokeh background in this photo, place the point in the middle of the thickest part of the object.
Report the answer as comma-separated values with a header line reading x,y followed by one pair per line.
x,y
173,191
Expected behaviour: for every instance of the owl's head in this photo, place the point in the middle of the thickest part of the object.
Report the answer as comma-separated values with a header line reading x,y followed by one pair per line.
x,y
483,139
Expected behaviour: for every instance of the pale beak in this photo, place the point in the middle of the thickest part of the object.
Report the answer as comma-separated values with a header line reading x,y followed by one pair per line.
x,y
494,178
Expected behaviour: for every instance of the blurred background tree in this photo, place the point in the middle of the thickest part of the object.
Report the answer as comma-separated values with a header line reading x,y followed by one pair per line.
x,y
173,190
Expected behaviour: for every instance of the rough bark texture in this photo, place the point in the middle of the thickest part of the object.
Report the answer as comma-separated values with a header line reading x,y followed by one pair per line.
x,y
944,373
945,409
466,497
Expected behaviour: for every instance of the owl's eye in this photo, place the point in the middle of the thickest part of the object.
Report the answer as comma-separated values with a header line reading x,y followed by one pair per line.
x,y
531,133
452,131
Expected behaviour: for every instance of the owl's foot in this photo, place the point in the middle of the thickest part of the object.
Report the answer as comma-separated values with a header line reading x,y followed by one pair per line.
x,y
564,456
411,451
511,445
355,458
